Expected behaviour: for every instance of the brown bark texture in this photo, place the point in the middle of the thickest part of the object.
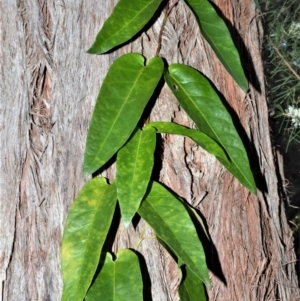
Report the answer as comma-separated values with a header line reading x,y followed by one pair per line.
x,y
48,90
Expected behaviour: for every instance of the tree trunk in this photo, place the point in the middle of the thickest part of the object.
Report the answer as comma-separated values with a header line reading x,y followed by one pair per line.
x,y
48,91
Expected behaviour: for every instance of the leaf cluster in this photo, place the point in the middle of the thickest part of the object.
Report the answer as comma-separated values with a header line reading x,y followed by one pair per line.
x,y
117,130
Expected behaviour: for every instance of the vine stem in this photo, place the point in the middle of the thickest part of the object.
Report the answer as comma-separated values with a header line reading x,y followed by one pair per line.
x,y
141,238
167,13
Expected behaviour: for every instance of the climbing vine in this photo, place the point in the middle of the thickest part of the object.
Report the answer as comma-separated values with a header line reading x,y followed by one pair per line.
x,y
118,131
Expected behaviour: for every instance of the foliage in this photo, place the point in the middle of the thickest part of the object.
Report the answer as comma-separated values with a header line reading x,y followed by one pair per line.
x,y
282,63
117,131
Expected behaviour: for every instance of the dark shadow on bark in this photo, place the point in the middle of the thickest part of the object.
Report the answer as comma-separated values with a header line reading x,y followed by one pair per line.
x,y
106,166
135,220
211,253
147,295
99,267
250,149
111,236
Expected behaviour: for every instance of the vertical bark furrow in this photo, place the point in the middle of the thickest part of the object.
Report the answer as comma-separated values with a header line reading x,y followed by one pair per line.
x,y
56,85
48,92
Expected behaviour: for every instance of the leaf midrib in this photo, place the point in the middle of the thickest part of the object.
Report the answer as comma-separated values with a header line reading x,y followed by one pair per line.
x,y
221,141
163,222
89,233
135,165
207,36
119,113
111,37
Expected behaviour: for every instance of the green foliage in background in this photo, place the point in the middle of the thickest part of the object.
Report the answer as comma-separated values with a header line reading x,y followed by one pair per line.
x,y
118,130
282,65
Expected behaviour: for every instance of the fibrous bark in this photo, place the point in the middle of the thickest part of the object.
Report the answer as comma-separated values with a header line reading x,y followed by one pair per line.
x,y
48,90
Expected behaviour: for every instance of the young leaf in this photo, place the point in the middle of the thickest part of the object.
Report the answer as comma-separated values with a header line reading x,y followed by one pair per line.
x,y
126,20
114,283
200,101
123,96
215,31
85,231
134,166
190,288
207,143
169,218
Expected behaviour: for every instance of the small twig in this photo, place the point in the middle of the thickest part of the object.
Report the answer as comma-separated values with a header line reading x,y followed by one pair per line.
x,y
171,5
286,63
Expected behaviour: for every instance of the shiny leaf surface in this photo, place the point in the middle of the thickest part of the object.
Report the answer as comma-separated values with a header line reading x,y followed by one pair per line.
x,y
134,167
85,231
190,288
169,218
200,101
215,31
118,280
123,96
207,143
127,19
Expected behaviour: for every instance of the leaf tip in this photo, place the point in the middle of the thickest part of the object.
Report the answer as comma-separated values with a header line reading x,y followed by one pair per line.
x,y
95,50
244,86
126,223
254,190
92,51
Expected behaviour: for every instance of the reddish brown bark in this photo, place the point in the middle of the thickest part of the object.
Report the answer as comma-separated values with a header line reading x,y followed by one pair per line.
x,y
48,90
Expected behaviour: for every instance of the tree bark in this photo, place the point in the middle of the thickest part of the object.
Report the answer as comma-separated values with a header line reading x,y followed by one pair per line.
x,y
48,91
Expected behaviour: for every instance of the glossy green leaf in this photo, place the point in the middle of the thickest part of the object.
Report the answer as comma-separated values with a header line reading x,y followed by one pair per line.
x,y
134,167
118,280
126,89
215,31
190,288
169,218
207,143
85,231
201,102
127,19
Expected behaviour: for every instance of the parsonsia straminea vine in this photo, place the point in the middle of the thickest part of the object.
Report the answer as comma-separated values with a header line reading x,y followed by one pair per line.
x,y
115,129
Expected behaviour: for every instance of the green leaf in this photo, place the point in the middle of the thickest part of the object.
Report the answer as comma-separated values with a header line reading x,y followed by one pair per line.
x,y
118,280
257,5
126,89
134,167
207,143
169,218
85,231
190,288
201,102
215,31
127,19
